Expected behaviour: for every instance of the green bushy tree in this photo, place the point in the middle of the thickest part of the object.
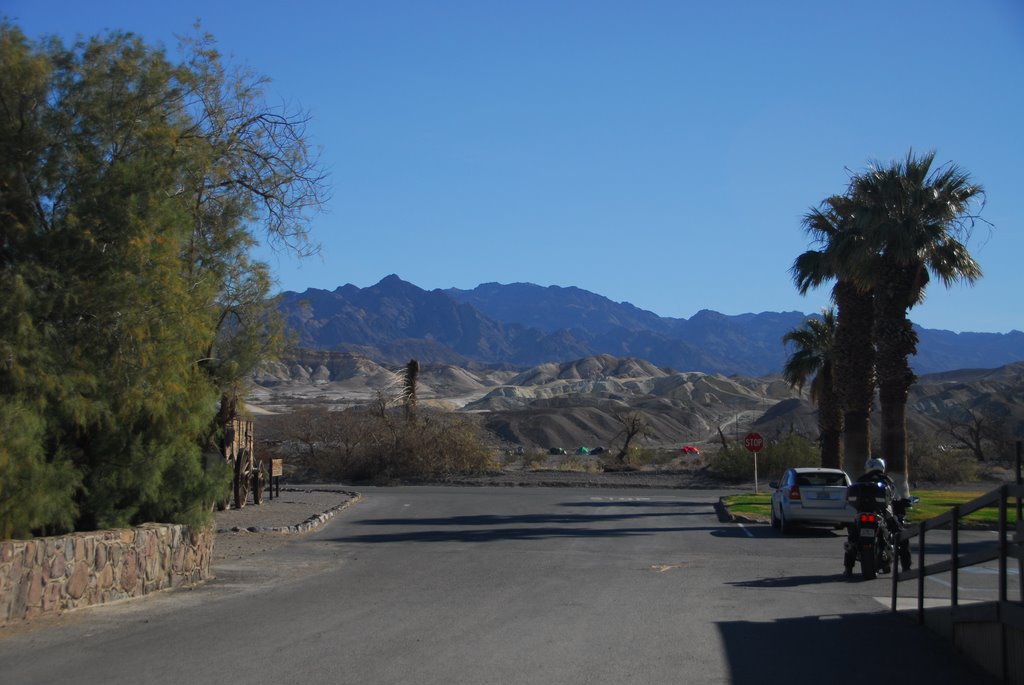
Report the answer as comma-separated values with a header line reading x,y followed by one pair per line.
x,y
131,192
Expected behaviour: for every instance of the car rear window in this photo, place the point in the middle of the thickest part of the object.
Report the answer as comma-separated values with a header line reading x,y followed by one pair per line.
x,y
812,479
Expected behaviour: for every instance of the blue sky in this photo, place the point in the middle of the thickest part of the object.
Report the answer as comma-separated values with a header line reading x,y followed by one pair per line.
x,y
658,153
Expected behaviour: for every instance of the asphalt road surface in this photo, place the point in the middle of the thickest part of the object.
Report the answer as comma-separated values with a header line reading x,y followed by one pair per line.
x,y
508,585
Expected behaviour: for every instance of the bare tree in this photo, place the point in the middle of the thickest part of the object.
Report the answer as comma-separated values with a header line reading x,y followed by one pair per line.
x,y
631,425
310,428
721,436
978,429
347,431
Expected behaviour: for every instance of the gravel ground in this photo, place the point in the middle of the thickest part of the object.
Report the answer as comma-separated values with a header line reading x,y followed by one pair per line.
x,y
254,529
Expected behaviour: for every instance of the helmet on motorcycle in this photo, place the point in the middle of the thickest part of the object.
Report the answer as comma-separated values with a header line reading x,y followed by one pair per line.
x,y
874,464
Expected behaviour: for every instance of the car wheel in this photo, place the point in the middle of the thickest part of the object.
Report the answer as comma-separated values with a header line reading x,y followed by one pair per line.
x,y
784,527
775,519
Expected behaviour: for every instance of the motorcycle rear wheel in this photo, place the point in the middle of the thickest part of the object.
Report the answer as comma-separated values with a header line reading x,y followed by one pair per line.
x,y
868,568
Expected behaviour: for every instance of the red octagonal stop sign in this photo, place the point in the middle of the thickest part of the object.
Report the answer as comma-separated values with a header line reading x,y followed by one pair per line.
x,y
754,442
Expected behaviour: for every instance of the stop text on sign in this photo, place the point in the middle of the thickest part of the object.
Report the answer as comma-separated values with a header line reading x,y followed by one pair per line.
x,y
754,442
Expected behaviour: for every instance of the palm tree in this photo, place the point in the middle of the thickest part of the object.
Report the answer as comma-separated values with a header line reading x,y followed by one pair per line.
x,y
813,356
853,354
412,374
911,218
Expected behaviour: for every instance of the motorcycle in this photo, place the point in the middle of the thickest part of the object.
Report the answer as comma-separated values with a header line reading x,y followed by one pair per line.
x,y
873,533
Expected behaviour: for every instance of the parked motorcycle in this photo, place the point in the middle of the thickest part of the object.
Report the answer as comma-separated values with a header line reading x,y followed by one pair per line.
x,y
872,538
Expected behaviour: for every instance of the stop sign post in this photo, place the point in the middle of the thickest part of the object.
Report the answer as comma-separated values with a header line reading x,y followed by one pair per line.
x,y
754,443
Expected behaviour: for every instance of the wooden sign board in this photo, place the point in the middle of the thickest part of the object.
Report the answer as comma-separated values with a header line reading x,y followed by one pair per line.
x,y
276,468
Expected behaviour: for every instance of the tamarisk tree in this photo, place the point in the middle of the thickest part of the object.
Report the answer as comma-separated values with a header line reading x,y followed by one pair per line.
x,y
132,191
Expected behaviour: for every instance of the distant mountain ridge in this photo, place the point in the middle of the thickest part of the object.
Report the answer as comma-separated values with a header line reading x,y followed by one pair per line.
x,y
523,324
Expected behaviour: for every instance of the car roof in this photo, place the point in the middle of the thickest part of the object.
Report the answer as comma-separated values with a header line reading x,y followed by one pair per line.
x,y
811,469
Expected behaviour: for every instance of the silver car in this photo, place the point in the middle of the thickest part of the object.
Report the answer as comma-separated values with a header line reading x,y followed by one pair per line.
x,y
811,497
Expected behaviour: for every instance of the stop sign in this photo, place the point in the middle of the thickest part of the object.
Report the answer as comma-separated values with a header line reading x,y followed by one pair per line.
x,y
754,442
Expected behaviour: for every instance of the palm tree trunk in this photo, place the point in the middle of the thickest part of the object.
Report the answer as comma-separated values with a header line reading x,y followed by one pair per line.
x,y
855,369
895,342
830,424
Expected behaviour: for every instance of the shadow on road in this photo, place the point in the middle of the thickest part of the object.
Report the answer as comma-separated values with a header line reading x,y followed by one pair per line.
x,y
646,504
491,534
517,519
843,649
798,533
491,527
794,581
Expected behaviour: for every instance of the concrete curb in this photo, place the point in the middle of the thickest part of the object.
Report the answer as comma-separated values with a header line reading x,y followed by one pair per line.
x,y
312,523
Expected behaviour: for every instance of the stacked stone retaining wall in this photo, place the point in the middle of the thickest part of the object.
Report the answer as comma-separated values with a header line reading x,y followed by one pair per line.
x,y
53,574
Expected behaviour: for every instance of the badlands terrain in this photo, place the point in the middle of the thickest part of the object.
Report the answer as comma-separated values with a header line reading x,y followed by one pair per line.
x,y
577,403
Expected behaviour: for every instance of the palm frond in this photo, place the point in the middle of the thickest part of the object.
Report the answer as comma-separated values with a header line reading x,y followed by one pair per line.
x,y
912,214
812,343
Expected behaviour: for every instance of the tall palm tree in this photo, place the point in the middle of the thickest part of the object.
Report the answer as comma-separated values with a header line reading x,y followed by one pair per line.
x,y
813,356
852,351
911,217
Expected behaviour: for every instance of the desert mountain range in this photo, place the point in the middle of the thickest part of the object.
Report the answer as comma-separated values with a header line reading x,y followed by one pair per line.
x,y
554,367
523,325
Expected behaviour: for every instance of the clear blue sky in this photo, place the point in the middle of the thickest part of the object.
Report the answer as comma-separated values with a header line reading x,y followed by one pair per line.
x,y
659,153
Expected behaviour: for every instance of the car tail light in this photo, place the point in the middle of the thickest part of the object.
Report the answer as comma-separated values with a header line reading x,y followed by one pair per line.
x,y
794,492
867,518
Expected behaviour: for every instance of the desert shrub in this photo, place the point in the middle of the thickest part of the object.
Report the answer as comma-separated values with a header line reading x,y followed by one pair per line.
x,y
384,445
944,468
537,464
579,466
731,463
444,444
790,451
508,457
734,463
931,464
648,456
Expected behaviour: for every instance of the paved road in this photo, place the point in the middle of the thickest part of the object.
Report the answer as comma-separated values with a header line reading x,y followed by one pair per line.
x,y
505,585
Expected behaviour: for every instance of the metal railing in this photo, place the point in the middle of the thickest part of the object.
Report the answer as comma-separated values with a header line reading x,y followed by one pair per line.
x,y
1002,549
1005,612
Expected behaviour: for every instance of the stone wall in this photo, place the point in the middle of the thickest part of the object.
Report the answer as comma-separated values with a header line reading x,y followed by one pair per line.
x,y
54,574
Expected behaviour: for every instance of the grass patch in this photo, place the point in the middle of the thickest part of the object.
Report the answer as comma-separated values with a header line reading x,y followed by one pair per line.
x,y
749,505
931,503
935,502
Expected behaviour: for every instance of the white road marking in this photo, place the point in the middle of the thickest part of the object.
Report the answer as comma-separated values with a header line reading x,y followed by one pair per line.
x,y
749,534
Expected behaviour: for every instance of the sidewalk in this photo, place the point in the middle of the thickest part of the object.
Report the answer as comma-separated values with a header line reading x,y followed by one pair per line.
x,y
296,510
